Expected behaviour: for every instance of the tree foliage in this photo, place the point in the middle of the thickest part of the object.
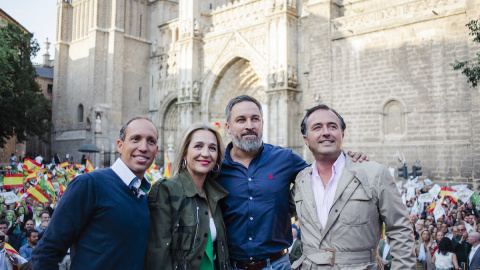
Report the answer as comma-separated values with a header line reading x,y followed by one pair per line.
x,y
24,110
471,68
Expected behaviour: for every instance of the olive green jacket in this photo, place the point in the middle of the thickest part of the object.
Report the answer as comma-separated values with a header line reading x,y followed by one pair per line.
x,y
179,224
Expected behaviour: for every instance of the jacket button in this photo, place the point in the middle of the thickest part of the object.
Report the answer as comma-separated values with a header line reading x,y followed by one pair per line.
x,y
199,257
206,212
206,235
336,210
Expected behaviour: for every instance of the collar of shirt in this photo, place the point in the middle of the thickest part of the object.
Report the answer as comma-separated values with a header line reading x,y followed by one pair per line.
x,y
128,176
324,195
337,168
386,249
472,251
228,157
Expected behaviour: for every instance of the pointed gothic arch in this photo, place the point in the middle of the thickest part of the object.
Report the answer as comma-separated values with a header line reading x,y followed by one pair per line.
x,y
166,118
238,77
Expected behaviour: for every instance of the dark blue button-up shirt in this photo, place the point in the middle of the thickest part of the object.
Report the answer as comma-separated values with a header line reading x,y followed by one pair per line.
x,y
256,210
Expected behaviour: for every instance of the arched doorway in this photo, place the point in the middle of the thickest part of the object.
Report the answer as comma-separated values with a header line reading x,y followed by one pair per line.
x,y
171,131
237,78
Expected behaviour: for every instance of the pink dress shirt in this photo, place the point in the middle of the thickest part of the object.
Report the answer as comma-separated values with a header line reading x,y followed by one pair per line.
x,y
324,195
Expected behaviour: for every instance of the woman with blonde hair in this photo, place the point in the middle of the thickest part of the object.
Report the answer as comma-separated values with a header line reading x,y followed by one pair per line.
x,y
423,251
186,224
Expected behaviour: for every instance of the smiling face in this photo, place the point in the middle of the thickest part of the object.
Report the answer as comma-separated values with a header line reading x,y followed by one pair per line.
x,y
201,153
45,217
324,136
245,125
29,225
139,148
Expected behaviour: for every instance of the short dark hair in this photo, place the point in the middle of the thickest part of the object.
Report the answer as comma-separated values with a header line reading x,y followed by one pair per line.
x,y
239,99
28,233
44,212
123,130
3,221
303,125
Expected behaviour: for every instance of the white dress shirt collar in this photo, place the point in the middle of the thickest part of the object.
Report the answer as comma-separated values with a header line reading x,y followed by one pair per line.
x,y
123,171
324,195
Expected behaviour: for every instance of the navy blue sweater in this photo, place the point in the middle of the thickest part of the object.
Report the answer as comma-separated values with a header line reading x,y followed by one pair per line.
x,y
105,225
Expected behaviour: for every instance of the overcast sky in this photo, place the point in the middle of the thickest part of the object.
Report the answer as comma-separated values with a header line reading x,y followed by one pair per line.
x,y
38,17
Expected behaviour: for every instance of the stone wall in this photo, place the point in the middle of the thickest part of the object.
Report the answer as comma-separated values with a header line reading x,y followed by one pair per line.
x,y
400,55
384,65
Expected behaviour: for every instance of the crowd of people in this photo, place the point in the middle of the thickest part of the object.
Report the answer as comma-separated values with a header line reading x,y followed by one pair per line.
x,y
29,192
449,241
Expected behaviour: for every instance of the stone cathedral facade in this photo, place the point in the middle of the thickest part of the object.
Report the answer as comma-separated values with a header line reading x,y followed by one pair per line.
x,y
383,65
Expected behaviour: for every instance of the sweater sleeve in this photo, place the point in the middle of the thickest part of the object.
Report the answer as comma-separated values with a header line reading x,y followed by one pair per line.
x,y
160,234
71,216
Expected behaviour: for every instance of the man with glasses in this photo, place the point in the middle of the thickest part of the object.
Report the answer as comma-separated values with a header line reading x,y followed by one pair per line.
x,y
461,246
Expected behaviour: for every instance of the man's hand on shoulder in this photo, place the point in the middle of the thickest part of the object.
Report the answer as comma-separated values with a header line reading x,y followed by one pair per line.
x,y
358,156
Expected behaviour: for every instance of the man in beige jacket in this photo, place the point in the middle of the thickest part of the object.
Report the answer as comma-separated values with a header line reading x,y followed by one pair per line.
x,y
341,205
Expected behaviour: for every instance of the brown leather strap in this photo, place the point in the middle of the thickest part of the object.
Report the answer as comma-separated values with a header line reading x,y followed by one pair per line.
x,y
260,264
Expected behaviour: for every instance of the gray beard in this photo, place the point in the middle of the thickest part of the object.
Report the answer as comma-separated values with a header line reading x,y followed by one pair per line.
x,y
251,144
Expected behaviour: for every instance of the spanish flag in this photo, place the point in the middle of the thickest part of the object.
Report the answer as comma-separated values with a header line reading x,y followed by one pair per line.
x,y
88,166
32,166
447,193
30,176
51,189
168,167
432,207
37,194
63,164
11,249
62,188
12,180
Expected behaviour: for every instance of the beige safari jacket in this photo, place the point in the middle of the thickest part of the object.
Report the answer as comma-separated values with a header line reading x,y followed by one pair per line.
x,y
366,196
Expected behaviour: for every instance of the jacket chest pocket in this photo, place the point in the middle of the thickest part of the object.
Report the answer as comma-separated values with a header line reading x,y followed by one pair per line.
x,y
183,231
357,210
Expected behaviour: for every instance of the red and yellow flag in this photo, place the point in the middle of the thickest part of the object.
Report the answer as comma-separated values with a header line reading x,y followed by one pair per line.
x,y
447,193
51,188
62,188
11,249
89,166
63,164
30,176
153,167
432,207
31,166
12,180
37,194
219,127
168,167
